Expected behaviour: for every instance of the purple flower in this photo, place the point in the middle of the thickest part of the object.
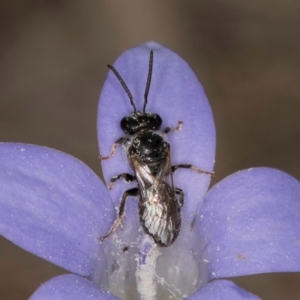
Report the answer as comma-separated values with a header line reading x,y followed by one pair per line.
x,y
54,206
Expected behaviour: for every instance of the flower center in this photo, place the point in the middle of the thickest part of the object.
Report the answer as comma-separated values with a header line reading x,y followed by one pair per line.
x,y
140,269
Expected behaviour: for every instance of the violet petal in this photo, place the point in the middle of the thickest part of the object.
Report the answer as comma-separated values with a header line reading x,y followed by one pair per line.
x,y
250,223
176,95
222,290
70,287
53,205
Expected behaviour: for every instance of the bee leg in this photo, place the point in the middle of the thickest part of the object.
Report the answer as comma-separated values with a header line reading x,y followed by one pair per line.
x,y
179,196
169,129
113,148
132,192
125,176
189,166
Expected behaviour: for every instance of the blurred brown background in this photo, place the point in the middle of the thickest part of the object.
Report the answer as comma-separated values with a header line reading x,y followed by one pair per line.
x,y
53,57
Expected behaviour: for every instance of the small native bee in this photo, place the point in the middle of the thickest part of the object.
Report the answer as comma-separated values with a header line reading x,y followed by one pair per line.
x,y
149,156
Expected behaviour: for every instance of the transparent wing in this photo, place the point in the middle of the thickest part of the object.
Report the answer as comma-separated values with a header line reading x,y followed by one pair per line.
x,y
159,209
144,176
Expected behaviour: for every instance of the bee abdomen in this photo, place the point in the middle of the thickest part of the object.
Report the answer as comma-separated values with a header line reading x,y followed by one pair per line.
x,y
157,222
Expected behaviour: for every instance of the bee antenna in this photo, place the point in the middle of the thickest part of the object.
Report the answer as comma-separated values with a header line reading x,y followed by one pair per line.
x,y
148,80
123,85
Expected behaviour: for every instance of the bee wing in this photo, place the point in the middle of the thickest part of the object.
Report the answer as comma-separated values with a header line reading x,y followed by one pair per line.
x,y
159,210
144,176
165,176
142,172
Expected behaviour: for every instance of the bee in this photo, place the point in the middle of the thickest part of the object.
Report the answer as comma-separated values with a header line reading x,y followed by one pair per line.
x,y
149,156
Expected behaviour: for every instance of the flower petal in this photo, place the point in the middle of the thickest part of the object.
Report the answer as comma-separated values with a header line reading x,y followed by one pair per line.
x,y
222,290
72,287
176,95
53,205
250,223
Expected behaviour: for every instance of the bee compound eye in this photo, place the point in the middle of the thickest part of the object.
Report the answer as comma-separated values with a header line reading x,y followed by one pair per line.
x,y
128,125
155,122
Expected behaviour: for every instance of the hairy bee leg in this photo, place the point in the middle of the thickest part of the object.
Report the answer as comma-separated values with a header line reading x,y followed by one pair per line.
x,y
113,149
132,192
179,194
127,177
189,166
169,129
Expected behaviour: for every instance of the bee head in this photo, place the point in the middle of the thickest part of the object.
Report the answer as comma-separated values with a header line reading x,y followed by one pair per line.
x,y
137,121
